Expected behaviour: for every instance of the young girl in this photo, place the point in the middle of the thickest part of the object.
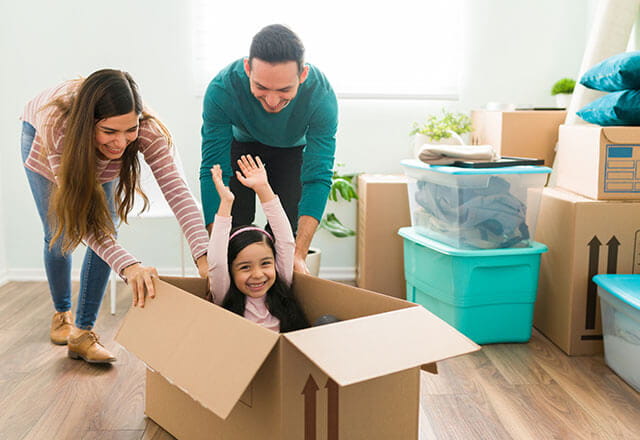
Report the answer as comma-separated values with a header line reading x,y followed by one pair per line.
x,y
80,145
250,271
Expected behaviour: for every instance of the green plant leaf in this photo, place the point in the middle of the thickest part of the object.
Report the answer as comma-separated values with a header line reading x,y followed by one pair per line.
x,y
564,85
344,188
331,224
437,128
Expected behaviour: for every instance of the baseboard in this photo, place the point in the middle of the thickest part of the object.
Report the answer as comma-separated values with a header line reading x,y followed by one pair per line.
x,y
338,273
329,273
40,275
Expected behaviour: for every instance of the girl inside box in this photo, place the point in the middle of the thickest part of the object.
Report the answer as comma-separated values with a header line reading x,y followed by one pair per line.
x,y
251,270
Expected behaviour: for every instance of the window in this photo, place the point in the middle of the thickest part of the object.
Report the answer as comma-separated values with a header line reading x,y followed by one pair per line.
x,y
408,50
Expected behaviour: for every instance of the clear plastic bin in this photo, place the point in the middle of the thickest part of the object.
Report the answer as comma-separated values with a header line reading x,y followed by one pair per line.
x,y
620,305
475,208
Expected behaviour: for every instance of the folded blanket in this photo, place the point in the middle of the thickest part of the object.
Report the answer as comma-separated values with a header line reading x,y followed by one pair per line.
x,y
435,154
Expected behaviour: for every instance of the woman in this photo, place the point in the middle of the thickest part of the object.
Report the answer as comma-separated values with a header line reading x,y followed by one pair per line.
x,y
80,144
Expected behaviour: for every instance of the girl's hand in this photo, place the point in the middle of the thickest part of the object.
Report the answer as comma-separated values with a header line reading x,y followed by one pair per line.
x,y
252,173
223,191
140,278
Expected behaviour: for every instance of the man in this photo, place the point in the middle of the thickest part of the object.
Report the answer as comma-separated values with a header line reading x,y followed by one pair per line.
x,y
275,106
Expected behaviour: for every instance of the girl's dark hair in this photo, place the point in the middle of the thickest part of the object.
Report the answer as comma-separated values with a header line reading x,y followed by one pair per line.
x,y
280,300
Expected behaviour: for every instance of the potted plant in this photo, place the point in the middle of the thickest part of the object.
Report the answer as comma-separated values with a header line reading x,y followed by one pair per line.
x,y
342,188
562,90
445,128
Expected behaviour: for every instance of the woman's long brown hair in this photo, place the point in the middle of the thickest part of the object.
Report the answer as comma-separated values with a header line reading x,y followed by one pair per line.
x,y
78,205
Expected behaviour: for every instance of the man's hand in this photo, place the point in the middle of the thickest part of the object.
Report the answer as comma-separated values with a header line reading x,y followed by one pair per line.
x,y
300,265
306,228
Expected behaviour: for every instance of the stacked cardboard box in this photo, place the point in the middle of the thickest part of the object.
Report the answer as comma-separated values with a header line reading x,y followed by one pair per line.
x,y
215,375
520,133
591,224
585,237
383,208
600,162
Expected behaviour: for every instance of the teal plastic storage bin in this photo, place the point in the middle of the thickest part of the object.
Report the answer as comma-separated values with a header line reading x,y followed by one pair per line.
x,y
486,294
620,306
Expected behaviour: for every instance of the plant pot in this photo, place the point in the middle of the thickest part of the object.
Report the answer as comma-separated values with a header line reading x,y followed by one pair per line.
x,y
313,261
563,100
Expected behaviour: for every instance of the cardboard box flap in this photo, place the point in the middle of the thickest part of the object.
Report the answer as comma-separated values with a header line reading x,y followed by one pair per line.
x,y
621,135
365,348
190,345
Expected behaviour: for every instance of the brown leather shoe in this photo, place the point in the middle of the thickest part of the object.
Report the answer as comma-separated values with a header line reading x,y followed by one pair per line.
x,y
60,327
88,347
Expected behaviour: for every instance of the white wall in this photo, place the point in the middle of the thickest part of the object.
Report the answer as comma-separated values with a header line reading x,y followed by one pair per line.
x,y
513,52
3,253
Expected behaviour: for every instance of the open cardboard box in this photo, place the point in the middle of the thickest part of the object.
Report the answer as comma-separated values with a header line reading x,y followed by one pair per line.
x,y
215,375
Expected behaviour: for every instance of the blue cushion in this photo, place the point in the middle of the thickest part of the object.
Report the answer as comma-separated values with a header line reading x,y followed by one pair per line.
x,y
617,108
619,72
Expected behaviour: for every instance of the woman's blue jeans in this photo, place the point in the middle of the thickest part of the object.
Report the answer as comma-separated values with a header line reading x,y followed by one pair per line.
x,y
94,274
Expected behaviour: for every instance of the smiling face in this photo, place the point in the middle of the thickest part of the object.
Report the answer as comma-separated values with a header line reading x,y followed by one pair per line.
x,y
274,85
114,134
254,271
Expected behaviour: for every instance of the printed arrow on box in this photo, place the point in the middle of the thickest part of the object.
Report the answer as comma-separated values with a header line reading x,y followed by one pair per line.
x,y
612,257
309,391
332,409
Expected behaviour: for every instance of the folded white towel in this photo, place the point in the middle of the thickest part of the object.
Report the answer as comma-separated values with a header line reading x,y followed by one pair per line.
x,y
436,154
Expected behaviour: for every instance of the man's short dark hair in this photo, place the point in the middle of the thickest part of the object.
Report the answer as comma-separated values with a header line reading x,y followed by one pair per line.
x,y
277,43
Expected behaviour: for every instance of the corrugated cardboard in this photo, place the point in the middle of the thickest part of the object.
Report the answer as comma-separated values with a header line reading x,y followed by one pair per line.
x,y
585,237
520,133
215,375
599,162
383,208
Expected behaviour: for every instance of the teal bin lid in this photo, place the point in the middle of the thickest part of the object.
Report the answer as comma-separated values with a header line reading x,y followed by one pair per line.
x,y
624,287
410,234
521,169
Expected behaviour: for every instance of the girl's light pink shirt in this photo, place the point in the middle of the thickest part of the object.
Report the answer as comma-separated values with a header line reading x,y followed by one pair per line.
x,y
46,154
219,279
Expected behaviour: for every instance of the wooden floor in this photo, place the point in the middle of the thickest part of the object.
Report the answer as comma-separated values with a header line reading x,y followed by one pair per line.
x,y
505,391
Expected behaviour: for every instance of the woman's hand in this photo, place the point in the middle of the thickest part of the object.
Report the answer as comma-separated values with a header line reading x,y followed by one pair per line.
x,y
203,266
223,191
140,278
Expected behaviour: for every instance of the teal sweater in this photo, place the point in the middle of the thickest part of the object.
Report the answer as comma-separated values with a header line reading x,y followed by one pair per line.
x,y
311,118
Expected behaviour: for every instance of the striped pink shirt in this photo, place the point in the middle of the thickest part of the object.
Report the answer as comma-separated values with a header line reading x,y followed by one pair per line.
x,y
45,158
